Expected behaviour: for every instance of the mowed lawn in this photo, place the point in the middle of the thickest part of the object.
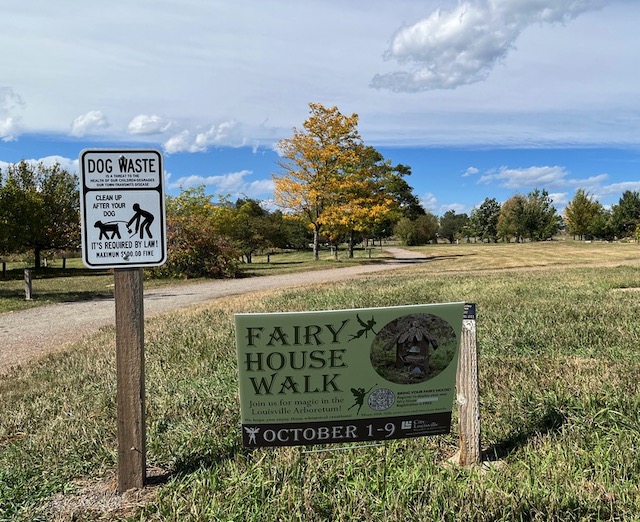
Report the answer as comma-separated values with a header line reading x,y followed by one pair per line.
x,y
559,343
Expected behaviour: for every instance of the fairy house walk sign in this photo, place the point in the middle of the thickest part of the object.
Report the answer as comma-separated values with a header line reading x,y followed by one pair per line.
x,y
347,375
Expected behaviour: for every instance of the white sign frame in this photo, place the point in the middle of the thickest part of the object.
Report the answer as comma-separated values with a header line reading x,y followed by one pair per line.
x,y
122,208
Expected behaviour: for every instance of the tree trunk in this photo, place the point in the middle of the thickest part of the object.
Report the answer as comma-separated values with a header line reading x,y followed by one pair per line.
x,y
36,253
351,244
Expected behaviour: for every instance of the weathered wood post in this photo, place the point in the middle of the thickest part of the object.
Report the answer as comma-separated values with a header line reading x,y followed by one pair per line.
x,y
468,391
64,263
4,269
132,451
28,287
135,196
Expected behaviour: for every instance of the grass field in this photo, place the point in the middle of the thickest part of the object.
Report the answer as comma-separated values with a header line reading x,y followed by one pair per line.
x,y
559,343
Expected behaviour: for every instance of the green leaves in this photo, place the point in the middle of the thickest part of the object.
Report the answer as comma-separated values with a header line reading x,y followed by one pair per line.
x,y
39,209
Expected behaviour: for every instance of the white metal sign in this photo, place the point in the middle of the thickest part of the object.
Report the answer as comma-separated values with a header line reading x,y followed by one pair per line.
x,y
122,208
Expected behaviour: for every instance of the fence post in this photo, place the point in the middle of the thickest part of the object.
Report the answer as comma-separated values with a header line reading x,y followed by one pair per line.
x,y
468,391
28,287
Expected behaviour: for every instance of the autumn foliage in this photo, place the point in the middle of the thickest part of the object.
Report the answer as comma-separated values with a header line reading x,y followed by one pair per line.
x,y
329,176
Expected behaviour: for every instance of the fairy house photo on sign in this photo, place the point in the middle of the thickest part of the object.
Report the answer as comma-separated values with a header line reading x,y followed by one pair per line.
x,y
413,348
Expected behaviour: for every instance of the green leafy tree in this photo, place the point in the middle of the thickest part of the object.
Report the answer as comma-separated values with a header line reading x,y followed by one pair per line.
x,y
39,209
541,219
626,214
195,247
580,214
406,203
511,222
602,225
248,228
484,220
419,231
288,231
452,225
396,186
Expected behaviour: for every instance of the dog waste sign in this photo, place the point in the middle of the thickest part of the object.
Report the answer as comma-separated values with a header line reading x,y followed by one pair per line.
x,y
122,208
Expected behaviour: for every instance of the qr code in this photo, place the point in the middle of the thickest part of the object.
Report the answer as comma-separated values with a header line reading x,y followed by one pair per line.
x,y
381,399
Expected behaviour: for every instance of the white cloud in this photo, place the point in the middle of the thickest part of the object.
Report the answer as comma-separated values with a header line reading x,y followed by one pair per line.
x,y
9,129
148,124
527,177
458,47
458,208
470,172
177,143
554,178
559,199
68,164
233,183
224,63
225,134
429,202
616,188
10,103
88,123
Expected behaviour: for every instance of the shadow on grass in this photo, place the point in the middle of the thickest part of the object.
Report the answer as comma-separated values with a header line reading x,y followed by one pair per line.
x,y
17,274
56,297
428,259
550,422
188,464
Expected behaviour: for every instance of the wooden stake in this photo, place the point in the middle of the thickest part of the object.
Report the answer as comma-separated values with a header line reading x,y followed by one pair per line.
x,y
130,374
468,392
28,288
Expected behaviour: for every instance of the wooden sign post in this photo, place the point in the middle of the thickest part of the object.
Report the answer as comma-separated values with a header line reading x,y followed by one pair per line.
x,y
130,374
123,228
468,392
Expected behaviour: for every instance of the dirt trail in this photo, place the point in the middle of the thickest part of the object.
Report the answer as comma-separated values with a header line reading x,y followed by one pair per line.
x,y
32,333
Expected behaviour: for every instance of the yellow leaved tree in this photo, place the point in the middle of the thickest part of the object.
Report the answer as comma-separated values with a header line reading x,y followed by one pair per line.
x,y
328,176
363,200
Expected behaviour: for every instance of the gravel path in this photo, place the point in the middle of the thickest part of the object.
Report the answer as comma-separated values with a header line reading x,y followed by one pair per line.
x,y
32,333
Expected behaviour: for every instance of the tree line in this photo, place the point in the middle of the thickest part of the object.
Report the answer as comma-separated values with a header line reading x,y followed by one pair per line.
x,y
330,189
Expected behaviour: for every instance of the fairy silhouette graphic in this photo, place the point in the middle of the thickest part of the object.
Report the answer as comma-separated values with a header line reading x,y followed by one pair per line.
x,y
366,328
252,432
359,394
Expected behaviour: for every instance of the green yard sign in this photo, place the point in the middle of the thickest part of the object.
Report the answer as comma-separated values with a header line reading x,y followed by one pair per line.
x,y
347,375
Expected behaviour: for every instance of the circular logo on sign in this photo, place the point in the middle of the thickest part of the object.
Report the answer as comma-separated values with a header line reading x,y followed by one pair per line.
x,y
381,399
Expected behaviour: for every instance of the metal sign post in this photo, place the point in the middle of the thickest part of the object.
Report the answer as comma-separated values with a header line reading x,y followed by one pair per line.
x,y
123,227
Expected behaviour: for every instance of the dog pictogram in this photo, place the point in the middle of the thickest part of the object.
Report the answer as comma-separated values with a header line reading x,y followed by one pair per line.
x,y
106,229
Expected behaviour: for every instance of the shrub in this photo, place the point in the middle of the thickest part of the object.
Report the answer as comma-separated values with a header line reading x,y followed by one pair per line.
x,y
194,250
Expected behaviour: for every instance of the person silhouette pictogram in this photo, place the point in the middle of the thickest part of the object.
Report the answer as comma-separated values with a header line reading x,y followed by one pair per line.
x,y
142,220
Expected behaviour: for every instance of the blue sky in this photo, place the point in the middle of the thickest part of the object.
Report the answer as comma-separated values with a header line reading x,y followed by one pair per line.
x,y
482,98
